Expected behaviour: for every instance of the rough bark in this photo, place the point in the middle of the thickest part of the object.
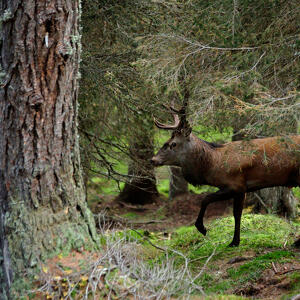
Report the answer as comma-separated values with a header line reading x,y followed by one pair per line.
x,y
178,185
277,200
43,207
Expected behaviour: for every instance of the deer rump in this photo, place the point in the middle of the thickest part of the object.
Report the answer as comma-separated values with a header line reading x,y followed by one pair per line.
x,y
235,168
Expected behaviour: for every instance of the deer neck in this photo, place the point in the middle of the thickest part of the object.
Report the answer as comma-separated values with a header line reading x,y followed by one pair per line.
x,y
196,163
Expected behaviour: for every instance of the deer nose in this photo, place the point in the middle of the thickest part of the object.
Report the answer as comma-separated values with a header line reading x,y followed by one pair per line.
x,y
155,162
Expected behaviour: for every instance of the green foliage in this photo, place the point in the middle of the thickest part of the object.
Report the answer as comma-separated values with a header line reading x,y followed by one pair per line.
x,y
114,99
102,186
237,58
296,192
163,187
129,236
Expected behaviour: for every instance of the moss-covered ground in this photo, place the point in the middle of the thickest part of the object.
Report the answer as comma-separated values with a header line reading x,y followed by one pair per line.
x,y
183,264
266,241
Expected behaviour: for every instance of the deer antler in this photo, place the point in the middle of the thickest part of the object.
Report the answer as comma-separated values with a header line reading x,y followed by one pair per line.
x,y
166,126
180,122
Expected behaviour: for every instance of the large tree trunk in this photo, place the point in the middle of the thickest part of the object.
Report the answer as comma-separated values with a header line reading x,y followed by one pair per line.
x,y
42,207
277,200
178,185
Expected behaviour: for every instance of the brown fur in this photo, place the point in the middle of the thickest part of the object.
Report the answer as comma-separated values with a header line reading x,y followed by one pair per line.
x,y
252,165
235,168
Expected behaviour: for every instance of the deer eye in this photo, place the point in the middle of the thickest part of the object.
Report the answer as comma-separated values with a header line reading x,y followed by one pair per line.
x,y
172,145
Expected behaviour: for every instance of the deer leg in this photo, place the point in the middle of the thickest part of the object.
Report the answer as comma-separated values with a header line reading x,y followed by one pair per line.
x,y
238,204
211,198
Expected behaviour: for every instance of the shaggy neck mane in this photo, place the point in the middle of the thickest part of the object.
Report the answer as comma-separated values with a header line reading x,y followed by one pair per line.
x,y
202,151
194,170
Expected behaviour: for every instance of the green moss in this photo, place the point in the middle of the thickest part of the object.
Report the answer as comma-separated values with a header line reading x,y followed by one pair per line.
x,y
101,185
219,287
130,215
72,238
295,286
202,189
127,235
160,213
252,270
22,284
257,232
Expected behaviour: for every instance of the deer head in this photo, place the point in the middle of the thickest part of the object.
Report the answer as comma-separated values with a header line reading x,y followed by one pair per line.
x,y
175,149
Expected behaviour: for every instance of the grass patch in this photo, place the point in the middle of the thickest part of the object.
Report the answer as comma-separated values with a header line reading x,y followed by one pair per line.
x,y
163,186
295,286
102,186
259,233
130,215
296,192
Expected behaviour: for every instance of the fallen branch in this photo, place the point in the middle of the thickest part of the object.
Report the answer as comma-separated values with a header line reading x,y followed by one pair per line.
x,y
288,271
274,268
205,264
117,218
262,202
148,240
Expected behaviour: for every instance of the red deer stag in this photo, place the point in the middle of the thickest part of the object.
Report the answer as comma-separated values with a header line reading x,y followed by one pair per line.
x,y
235,168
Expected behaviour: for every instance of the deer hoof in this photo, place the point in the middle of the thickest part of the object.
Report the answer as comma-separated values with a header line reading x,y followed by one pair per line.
x,y
201,229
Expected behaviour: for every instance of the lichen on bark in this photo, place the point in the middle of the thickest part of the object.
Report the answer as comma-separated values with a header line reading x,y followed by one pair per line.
x,y
45,206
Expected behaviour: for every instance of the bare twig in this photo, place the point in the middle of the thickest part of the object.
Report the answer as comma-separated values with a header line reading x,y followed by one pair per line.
x,y
121,272
148,240
119,219
262,202
205,264
274,268
288,271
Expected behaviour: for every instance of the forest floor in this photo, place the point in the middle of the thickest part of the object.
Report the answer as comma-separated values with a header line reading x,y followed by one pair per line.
x,y
163,215
275,280
158,243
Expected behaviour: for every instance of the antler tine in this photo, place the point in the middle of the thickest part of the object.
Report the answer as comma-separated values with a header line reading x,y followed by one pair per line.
x,y
168,127
184,127
174,110
179,116
171,109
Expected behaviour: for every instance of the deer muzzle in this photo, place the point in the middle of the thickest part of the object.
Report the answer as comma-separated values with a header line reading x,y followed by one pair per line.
x,y
155,161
